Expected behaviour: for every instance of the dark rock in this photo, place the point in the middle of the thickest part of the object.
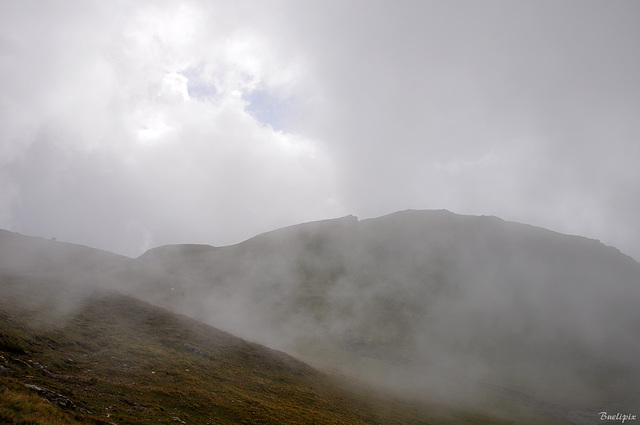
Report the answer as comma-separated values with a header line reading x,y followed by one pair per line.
x,y
193,349
55,398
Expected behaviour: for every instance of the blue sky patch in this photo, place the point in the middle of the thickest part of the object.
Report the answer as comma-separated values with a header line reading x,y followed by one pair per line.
x,y
267,108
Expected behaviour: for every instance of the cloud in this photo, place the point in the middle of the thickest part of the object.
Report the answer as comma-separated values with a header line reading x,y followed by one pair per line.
x,y
109,142
214,120
531,101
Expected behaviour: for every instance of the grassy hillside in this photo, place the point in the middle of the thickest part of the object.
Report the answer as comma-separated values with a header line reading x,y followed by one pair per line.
x,y
28,254
454,314
111,359
433,302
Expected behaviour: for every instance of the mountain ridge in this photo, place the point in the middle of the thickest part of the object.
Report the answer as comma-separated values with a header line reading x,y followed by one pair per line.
x,y
458,308
432,289
352,219
4,233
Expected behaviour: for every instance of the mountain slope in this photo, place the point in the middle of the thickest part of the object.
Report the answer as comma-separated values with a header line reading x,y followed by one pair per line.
x,y
458,307
28,254
470,312
118,360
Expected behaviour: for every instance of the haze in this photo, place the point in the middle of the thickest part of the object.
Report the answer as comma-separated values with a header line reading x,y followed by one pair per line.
x,y
128,125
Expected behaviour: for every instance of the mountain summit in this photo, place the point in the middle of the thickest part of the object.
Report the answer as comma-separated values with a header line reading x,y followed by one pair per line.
x,y
466,310
428,301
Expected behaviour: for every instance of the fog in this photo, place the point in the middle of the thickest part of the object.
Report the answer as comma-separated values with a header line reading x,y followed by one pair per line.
x,y
133,125
471,311
128,126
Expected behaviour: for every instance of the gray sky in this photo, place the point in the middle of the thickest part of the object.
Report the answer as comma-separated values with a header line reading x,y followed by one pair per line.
x,y
127,125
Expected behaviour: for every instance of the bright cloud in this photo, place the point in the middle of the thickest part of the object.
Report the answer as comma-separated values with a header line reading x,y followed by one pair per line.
x,y
167,163
125,125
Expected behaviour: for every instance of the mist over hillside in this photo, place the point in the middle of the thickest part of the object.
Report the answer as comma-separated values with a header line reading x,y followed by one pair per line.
x,y
425,301
470,310
28,254
117,360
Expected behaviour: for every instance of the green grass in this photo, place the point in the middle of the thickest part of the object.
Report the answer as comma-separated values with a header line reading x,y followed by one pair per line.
x,y
19,407
119,360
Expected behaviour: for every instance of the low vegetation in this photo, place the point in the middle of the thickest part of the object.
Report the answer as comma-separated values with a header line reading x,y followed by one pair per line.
x,y
116,360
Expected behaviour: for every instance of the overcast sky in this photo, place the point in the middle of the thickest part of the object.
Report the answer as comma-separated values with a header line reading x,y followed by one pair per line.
x,y
128,125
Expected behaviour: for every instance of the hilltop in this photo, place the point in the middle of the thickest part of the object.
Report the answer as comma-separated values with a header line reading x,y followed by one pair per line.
x,y
466,313
443,305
